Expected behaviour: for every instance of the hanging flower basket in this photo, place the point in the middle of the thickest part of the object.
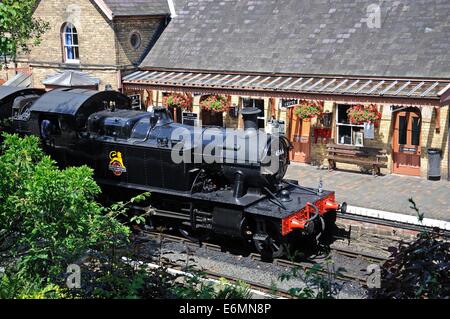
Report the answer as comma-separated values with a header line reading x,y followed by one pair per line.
x,y
309,109
215,103
360,114
178,100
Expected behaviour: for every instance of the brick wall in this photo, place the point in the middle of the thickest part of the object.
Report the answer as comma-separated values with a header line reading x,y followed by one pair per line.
x,y
433,138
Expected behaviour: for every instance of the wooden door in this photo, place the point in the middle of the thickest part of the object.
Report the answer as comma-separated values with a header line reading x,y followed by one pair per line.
x,y
299,135
406,143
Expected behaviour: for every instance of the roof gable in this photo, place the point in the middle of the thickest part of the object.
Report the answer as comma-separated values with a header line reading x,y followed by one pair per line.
x,y
121,8
328,37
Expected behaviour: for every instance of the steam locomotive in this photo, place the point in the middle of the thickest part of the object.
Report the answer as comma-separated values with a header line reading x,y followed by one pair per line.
x,y
202,181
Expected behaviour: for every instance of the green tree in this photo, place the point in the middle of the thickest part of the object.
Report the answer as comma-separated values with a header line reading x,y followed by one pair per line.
x,y
19,30
49,218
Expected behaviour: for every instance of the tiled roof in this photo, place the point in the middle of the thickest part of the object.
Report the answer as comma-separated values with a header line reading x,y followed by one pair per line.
x,y
137,7
326,37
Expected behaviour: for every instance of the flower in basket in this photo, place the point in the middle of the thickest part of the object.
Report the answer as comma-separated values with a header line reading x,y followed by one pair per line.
x,y
178,100
360,114
215,103
309,109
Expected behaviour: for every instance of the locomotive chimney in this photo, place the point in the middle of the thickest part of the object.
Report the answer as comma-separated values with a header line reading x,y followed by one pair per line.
x,y
250,115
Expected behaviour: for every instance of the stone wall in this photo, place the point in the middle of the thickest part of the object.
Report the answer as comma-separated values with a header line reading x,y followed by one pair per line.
x,y
146,27
95,32
105,76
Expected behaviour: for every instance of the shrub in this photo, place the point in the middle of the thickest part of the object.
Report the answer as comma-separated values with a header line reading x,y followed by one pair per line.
x,y
49,217
417,270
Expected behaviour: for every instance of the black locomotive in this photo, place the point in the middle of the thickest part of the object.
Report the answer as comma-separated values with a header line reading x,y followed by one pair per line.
x,y
201,180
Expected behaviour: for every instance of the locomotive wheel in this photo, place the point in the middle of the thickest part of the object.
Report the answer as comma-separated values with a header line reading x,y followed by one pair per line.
x,y
273,246
194,235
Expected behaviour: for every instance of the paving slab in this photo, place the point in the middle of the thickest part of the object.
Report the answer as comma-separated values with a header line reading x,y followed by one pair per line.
x,y
390,193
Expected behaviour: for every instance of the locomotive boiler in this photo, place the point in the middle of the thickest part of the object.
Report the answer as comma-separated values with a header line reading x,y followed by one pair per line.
x,y
202,180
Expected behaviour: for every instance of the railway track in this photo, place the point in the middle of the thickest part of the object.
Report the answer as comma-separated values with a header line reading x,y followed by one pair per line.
x,y
344,277
390,223
273,292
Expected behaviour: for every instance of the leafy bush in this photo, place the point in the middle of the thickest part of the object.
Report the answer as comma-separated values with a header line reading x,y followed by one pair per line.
x,y
417,270
49,217
320,281
196,287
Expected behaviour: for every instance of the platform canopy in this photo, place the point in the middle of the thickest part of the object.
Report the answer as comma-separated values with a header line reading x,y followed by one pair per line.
x,y
71,79
401,88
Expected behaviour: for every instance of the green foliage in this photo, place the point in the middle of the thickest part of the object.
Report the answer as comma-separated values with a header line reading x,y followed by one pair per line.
x,y
417,270
320,281
195,287
16,288
115,278
49,217
420,216
18,29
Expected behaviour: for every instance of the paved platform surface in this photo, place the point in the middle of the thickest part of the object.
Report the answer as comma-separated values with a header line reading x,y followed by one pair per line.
x,y
388,193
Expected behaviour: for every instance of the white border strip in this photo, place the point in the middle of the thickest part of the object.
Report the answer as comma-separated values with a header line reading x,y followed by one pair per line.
x,y
407,219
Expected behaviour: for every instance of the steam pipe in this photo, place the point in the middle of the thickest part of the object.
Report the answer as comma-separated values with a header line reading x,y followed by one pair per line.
x,y
238,190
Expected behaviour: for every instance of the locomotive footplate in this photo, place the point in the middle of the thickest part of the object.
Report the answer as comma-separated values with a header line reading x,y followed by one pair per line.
x,y
295,208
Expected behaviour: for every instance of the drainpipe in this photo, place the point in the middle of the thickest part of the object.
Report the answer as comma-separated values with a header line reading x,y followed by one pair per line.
x,y
448,147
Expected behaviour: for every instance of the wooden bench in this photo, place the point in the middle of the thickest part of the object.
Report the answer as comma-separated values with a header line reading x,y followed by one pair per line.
x,y
364,156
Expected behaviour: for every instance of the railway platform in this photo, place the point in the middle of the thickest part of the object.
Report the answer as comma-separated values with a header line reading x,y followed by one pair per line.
x,y
384,194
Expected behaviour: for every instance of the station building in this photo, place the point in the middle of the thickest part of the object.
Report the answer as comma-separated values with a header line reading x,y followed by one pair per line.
x,y
284,56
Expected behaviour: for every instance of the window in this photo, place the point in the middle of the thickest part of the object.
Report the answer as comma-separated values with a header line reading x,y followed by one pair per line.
x,y
70,44
402,130
259,104
415,138
135,40
348,133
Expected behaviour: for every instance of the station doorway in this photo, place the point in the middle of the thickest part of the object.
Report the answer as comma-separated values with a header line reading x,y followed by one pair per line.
x,y
407,142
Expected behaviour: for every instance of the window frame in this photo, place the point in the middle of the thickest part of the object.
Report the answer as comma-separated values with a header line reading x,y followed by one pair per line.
x,y
75,45
261,117
351,126
139,38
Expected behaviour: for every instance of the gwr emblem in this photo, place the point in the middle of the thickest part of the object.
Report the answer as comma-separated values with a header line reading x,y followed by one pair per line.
x,y
116,163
